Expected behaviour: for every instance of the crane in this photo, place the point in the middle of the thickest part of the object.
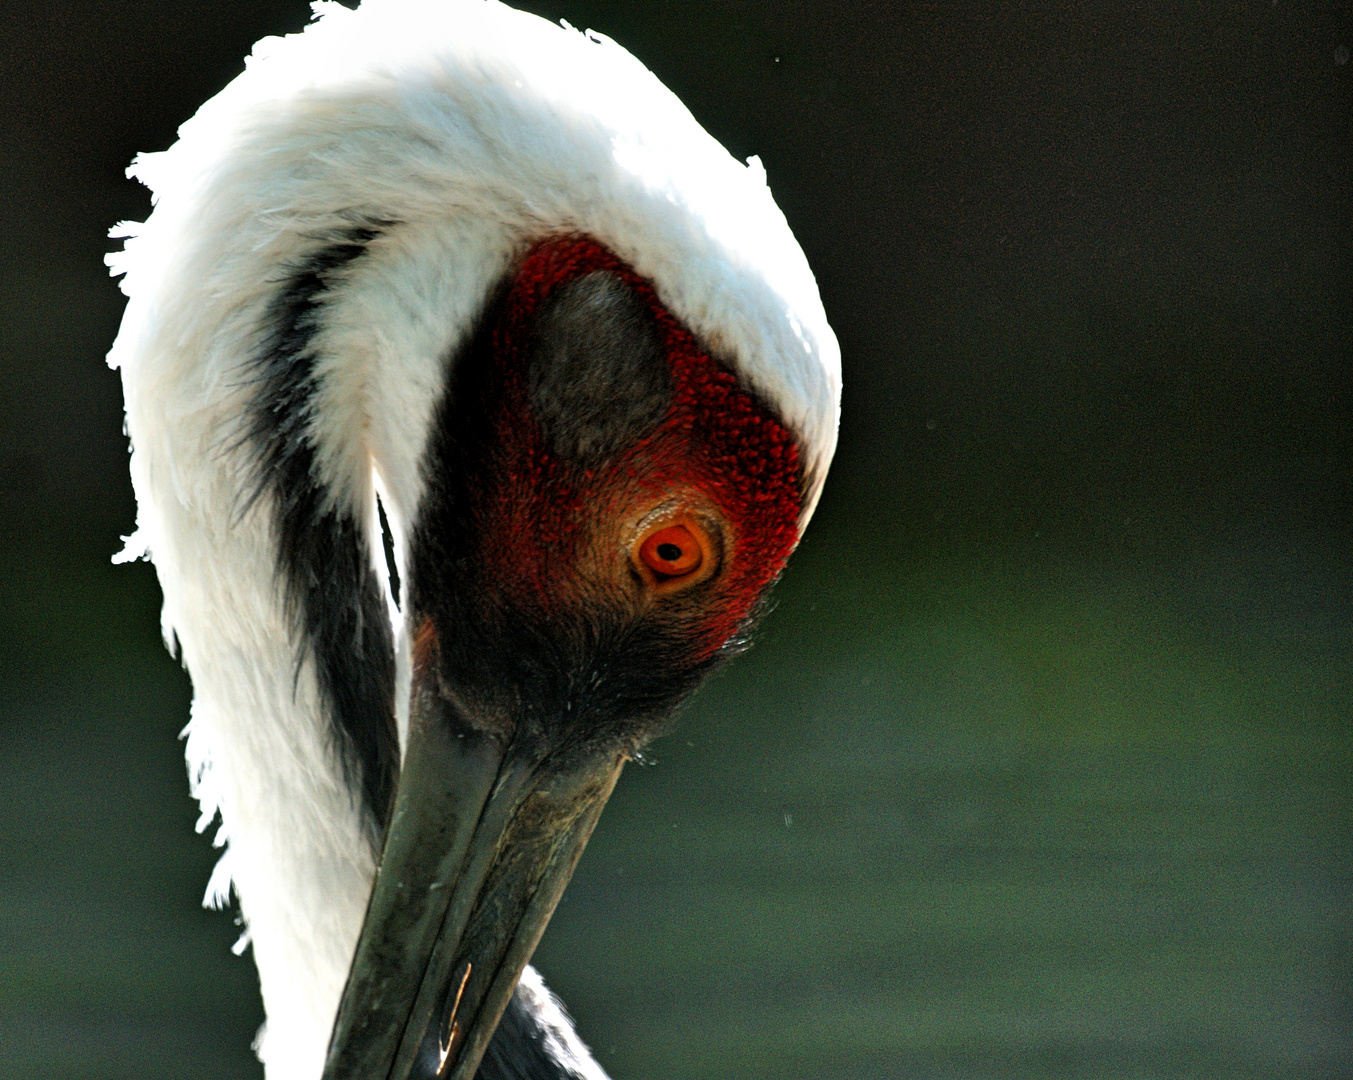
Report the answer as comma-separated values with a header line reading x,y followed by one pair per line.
x,y
476,397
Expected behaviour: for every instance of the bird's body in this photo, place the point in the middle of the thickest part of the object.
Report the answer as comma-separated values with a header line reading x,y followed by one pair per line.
x,y
486,277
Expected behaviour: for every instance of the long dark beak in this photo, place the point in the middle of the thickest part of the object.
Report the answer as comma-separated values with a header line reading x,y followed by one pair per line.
x,y
485,833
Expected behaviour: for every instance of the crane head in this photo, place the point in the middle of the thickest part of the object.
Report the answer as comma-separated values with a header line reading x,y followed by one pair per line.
x,y
609,511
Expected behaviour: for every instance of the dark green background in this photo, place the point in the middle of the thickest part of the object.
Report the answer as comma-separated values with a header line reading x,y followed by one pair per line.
x,y
1042,766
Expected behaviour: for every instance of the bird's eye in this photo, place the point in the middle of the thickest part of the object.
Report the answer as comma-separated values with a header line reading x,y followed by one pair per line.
x,y
671,555
671,552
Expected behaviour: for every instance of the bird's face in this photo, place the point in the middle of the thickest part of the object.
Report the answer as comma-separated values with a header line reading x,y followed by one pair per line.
x,y
607,506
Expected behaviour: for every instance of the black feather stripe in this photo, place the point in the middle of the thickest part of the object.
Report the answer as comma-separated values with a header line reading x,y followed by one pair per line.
x,y
332,591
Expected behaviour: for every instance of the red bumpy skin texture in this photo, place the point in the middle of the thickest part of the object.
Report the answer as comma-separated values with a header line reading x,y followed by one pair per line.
x,y
716,444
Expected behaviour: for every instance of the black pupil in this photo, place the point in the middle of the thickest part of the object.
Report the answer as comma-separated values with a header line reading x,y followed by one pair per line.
x,y
669,552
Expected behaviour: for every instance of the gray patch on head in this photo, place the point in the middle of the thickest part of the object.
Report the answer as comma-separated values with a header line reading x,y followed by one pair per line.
x,y
596,374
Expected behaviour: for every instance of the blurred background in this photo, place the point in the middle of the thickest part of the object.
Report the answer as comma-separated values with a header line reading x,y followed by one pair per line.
x,y
1043,765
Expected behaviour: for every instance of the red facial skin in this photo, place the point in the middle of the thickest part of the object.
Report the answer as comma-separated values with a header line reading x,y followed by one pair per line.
x,y
552,534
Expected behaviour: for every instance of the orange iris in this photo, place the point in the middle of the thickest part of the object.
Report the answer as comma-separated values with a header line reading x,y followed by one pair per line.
x,y
672,552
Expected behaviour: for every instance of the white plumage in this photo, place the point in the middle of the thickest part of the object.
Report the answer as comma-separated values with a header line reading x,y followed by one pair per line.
x,y
467,131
